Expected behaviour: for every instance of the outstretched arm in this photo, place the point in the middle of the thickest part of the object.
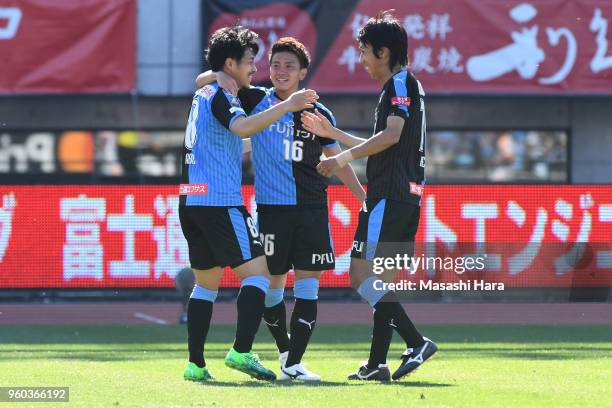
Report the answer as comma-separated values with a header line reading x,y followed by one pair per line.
x,y
376,144
346,174
318,124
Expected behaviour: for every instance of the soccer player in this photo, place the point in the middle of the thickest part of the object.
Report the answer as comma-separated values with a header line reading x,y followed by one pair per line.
x,y
219,230
395,172
291,202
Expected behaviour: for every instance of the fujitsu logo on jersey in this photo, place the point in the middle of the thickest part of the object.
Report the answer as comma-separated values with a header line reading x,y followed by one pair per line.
x,y
283,128
401,101
303,134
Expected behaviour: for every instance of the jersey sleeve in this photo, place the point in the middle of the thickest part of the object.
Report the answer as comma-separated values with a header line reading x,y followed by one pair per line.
x,y
226,108
330,116
400,101
251,97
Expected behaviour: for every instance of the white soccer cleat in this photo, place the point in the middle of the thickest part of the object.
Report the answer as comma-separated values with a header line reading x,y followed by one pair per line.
x,y
297,372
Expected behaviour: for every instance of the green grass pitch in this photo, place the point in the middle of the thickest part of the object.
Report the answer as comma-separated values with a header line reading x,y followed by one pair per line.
x,y
476,366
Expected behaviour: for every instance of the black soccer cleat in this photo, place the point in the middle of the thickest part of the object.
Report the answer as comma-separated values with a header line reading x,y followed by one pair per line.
x,y
413,358
381,373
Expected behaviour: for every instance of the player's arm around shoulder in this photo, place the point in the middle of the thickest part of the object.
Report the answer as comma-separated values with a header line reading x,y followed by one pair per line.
x,y
226,108
225,81
249,97
300,100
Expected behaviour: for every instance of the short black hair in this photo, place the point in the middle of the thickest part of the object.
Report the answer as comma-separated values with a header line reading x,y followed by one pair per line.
x,y
230,42
290,44
385,31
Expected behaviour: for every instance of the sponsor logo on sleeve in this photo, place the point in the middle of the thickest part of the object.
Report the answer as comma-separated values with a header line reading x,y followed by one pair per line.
x,y
207,91
401,101
416,189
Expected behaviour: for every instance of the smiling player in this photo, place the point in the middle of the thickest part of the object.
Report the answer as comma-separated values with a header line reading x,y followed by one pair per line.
x,y
218,229
291,202
396,175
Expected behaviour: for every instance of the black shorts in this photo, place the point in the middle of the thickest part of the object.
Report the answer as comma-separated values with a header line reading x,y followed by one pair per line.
x,y
295,238
219,236
386,229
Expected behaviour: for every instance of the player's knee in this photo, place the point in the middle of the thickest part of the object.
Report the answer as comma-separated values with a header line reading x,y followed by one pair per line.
x,y
274,296
354,281
278,281
302,274
202,293
356,277
257,281
307,289
254,267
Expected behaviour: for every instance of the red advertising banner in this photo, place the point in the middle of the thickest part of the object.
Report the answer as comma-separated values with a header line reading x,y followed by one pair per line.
x,y
270,21
459,46
130,236
68,46
485,46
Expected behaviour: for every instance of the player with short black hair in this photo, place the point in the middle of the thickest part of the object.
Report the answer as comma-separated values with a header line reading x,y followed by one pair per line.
x,y
291,202
384,32
395,172
293,46
219,230
230,42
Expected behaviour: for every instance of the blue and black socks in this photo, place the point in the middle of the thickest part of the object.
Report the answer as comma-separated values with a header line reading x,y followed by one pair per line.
x,y
388,315
303,318
199,313
250,305
275,317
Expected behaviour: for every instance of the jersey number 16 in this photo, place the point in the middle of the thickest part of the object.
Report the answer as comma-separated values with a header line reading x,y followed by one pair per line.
x,y
293,150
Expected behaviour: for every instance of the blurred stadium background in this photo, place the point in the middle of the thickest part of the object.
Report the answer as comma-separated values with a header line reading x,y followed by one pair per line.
x,y
94,98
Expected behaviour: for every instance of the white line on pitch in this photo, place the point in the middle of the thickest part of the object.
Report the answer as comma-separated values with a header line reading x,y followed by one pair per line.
x,y
150,318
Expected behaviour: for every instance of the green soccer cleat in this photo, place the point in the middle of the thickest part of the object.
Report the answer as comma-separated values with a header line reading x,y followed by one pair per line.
x,y
248,363
195,373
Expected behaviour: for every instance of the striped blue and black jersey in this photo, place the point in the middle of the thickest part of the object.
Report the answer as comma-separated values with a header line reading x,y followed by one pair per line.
x,y
212,154
398,173
285,156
